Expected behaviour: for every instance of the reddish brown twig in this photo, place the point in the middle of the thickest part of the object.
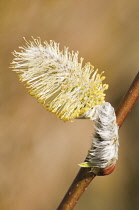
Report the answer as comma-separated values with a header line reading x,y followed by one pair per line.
x,y
128,101
84,176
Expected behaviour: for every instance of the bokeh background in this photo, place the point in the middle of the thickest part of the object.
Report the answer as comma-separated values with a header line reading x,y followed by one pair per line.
x,y
38,152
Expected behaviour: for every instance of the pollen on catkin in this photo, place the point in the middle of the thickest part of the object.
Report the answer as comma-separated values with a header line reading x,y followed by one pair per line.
x,y
58,79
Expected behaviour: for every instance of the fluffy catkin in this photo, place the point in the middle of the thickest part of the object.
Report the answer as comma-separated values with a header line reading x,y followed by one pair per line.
x,y
65,87
104,148
58,79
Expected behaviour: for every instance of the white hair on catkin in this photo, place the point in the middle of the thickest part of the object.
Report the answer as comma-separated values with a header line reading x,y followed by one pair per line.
x,y
104,149
58,78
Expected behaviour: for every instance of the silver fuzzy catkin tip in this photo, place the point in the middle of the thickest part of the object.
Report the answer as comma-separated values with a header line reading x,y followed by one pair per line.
x,y
104,148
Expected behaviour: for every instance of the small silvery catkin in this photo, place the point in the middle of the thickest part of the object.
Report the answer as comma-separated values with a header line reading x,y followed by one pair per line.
x,y
104,148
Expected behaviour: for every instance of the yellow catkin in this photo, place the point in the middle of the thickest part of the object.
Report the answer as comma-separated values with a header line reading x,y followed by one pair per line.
x,y
58,79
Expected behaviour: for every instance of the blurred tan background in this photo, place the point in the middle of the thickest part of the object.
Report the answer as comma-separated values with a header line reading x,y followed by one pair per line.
x,y
38,152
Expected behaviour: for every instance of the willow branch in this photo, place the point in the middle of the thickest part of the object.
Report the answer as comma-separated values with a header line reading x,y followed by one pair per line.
x,y
84,176
128,101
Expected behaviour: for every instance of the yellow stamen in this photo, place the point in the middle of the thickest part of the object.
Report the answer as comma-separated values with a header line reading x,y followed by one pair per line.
x,y
58,80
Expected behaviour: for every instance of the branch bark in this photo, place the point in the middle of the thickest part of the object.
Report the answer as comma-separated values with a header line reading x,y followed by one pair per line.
x,y
128,101
84,176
